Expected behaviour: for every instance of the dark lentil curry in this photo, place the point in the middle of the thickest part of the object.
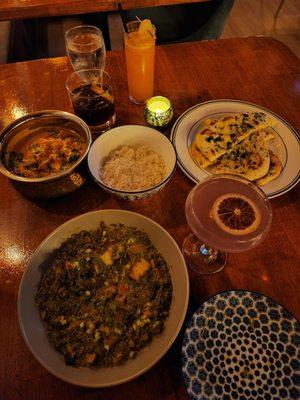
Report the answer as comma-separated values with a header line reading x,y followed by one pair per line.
x,y
105,297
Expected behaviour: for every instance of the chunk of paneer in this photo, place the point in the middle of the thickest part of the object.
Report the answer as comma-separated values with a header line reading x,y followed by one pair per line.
x,y
138,269
106,257
120,247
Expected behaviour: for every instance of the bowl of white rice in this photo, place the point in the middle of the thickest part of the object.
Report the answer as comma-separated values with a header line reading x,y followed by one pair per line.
x,y
132,162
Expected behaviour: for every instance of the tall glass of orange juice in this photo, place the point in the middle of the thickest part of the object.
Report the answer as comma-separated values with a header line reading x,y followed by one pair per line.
x,y
139,52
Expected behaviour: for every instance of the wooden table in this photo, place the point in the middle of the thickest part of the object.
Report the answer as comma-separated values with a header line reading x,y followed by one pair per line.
x,y
260,70
23,9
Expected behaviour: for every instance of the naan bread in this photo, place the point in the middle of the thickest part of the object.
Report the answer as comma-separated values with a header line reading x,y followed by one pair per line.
x,y
198,157
223,134
249,159
274,170
267,134
238,144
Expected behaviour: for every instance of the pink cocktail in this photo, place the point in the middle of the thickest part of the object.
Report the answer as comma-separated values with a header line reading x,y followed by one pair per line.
x,y
228,213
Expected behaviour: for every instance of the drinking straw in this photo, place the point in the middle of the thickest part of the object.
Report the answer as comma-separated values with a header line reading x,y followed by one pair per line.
x,y
123,17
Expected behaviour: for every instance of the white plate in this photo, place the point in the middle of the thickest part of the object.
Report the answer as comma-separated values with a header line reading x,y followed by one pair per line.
x,y
285,145
33,330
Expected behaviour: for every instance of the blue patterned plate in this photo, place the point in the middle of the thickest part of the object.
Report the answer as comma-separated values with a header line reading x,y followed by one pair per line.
x,y
241,345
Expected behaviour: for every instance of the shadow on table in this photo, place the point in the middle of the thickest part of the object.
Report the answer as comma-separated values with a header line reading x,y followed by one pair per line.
x,y
87,198
202,287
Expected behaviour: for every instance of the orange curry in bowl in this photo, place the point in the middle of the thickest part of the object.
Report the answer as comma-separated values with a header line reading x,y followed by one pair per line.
x,y
42,152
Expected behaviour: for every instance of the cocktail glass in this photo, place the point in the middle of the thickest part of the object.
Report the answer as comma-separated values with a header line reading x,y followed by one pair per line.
x,y
216,229
90,91
85,47
139,53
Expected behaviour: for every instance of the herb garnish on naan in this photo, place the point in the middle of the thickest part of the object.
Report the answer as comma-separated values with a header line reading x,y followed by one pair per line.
x,y
249,158
221,135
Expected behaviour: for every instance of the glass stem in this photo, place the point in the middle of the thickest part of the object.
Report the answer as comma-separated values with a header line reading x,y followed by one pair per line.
x,y
201,258
209,254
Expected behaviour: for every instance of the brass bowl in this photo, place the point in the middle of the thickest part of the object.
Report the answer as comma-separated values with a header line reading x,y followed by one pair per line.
x,y
54,185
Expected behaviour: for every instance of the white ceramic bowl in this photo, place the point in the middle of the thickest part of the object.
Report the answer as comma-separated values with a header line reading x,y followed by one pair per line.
x,y
131,135
32,327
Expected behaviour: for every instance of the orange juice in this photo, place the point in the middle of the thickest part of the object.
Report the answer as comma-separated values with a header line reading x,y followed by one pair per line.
x,y
140,52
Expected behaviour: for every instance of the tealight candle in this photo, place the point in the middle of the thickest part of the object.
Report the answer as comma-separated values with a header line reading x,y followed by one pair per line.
x,y
158,111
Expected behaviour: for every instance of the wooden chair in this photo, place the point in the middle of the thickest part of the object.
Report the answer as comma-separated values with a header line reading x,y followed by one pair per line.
x,y
279,8
44,37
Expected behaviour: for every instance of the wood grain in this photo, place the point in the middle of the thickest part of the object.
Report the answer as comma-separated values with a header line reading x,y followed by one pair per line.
x,y
23,9
259,70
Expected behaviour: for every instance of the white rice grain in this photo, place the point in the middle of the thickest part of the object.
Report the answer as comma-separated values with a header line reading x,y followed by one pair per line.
x,y
133,168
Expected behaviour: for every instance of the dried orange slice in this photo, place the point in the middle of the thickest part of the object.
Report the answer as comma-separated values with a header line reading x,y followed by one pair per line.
x,y
236,214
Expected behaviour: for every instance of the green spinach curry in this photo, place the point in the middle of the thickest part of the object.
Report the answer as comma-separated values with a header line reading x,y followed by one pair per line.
x,y
106,296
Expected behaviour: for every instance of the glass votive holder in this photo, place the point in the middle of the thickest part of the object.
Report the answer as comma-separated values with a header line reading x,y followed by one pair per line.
x,y
158,111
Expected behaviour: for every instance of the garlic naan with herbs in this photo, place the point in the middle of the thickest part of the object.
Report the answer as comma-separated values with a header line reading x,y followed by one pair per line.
x,y
274,170
238,144
250,159
221,135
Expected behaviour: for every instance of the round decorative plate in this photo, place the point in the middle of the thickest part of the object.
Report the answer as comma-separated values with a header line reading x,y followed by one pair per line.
x,y
32,327
241,345
286,142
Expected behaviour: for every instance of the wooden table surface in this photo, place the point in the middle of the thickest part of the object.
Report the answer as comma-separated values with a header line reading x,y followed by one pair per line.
x,y
259,70
23,9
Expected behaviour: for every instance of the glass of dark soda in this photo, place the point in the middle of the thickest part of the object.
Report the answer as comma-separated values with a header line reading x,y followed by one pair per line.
x,y
90,91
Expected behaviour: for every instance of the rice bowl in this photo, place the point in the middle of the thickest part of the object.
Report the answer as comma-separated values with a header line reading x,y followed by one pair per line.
x,y
133,136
